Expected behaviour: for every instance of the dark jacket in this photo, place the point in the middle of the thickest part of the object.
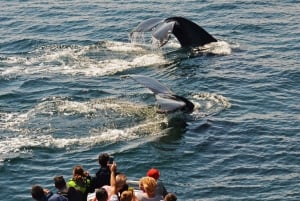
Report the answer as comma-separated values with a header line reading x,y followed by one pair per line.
x,y
102,178
72,194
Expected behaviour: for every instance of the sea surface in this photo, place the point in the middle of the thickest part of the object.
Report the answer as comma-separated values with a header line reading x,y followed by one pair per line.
x,y
65,97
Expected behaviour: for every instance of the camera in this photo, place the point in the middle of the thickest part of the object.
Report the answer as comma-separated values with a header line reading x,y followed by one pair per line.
x,y
111,160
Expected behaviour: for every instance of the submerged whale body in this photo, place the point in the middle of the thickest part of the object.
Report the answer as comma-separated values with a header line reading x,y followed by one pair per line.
x,y
187,32
167,100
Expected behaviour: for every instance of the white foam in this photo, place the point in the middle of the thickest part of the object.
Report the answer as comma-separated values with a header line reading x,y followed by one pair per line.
x,y
74,61
11,121
213,98
14,146
123,47
209,103
218,48
26,137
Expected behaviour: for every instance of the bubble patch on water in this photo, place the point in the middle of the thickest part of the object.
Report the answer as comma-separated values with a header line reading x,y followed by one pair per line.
x,y
147,122
74,60
27,135
208,104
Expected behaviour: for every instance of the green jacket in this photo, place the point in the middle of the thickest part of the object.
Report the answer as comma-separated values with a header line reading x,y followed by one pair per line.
x,y
82,186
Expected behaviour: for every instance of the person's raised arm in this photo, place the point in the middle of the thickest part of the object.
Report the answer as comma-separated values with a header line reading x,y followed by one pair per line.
x,y
113,169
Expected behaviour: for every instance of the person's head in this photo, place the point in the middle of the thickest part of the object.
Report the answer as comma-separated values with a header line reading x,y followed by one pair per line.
x,y
78,173
101,194
154,173
120,181
103,159
148,185
126,196
37,193
59,182
170,197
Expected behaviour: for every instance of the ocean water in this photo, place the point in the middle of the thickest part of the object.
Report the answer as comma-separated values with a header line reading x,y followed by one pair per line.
x,y
64,98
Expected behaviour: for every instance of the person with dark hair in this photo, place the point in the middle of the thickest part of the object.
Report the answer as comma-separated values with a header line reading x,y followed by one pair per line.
x,y
102,194
71,193
81,180
38,193
170,197
102,176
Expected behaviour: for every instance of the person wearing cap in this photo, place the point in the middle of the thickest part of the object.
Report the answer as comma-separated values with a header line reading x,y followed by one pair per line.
x,y
160,188
71,193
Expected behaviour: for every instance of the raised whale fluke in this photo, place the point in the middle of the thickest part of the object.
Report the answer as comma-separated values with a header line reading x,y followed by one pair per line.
x,y
166,99
187,32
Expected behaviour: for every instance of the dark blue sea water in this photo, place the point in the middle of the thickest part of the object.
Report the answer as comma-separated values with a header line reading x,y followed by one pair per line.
x,y
64,98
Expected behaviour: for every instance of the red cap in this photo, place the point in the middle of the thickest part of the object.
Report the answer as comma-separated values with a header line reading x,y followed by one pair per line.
x,y
154,173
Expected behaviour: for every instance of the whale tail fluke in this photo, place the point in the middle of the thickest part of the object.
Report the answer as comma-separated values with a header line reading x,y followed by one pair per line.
x,y
187,32
167,100
190,34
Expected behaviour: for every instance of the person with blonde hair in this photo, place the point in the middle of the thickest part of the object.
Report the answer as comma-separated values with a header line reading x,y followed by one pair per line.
x,y
148,186
160,188
121,184
128,195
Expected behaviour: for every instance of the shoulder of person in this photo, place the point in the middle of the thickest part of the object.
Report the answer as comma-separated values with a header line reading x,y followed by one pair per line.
x,y
113,198
63,193
71,182
75,195
102,171
57,197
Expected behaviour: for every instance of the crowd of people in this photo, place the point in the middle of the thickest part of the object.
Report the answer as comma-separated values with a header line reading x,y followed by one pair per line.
x,y
106,185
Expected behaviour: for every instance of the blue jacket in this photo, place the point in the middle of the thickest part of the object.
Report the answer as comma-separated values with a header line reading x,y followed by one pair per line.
x,y
56,197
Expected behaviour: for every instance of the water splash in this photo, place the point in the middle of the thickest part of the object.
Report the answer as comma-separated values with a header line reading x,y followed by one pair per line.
x,y
209,103
217,48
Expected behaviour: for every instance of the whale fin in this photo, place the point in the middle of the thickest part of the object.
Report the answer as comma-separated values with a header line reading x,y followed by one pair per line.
x,y
163,32
190,34
187,32
166,99
168,103
152,84
147,25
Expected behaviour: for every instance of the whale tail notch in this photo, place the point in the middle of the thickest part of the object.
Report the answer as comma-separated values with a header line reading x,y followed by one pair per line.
x,y
167,100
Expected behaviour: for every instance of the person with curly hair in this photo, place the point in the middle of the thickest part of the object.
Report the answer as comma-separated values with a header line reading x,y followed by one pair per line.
x,y
81,180
148,187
